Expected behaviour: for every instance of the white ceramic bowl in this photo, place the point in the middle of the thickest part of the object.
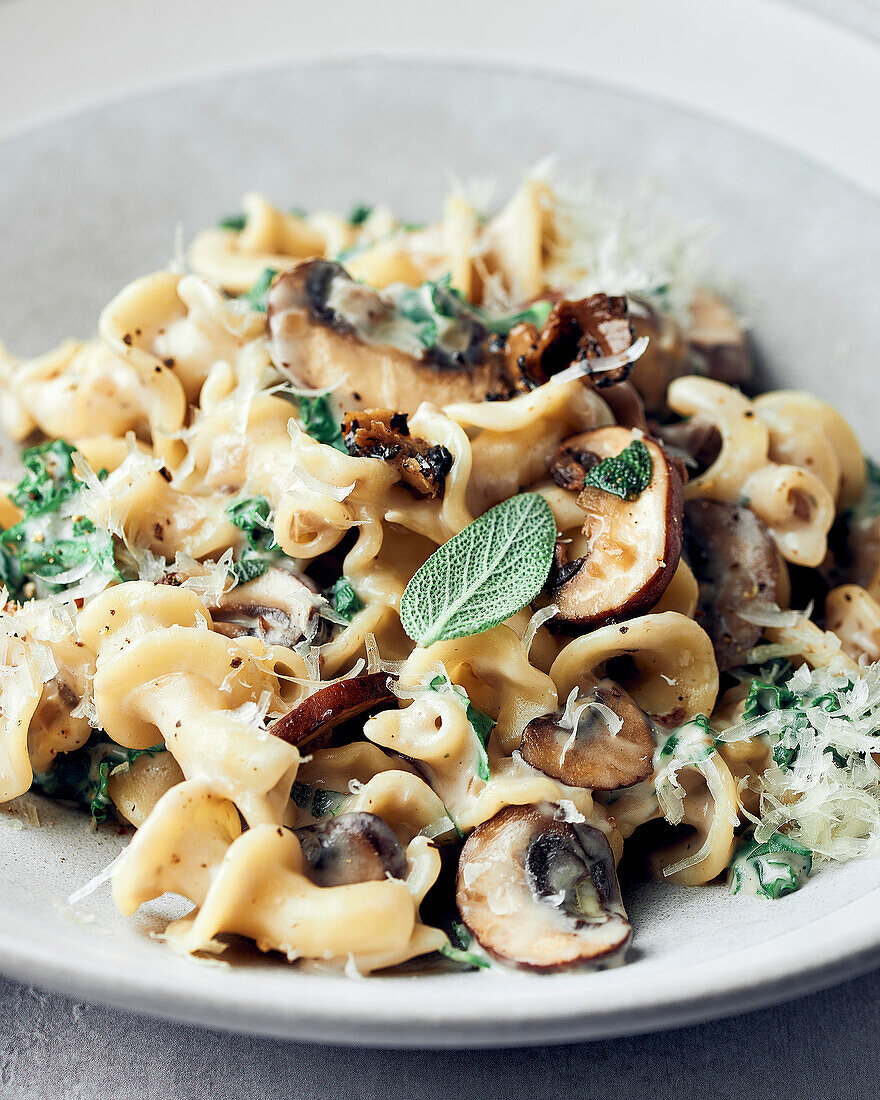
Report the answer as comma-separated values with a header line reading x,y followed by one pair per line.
x,y
87,203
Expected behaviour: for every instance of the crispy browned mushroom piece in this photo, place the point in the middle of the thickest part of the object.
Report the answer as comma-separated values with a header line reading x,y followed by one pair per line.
x,y
354,847
383,434
327,330
277,607
311,722
574,331
735,560
630,548
542,892
716,343
597,754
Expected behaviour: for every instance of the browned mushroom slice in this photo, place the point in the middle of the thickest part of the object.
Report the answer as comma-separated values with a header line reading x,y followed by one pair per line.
x,y
381,433
588,328
697,442
541,892
326,330
311,722
278,607
596,754
735,560
716,342
629,549
663,359
355,847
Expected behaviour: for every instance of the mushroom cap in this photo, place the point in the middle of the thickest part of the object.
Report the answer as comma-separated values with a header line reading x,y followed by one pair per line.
x,y
278,607
317,343
542,892
735,560
662,360
632,546
593,755
311,722
354,847
716,342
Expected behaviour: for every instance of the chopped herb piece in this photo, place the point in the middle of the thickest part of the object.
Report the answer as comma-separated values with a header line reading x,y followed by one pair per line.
x,y
233,221
346,602
248,568
626,475
359,214
318,801
318,420
256,297
254,516
778,866
50,478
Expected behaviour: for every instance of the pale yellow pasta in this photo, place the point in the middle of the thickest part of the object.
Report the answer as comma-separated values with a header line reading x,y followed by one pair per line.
x,y
794,503
853,615
673,678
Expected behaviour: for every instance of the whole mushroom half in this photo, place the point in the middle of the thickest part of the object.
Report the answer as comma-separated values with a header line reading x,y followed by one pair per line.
x,y
629,548
611,744
541,892
326,330
736,562
355,847
277,607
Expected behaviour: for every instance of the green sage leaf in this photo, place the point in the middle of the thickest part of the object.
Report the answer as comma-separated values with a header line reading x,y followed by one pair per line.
x,y
494,567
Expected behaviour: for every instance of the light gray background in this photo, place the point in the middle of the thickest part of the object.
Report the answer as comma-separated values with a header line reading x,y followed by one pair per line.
x,y
821,1046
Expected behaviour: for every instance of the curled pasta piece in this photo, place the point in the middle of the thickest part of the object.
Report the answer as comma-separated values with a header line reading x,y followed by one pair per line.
x,y
817,417
794,503
517,438
682,593
261,890
709,807
854,616
162,675
235,259
136,789
178,849
669,665
20,690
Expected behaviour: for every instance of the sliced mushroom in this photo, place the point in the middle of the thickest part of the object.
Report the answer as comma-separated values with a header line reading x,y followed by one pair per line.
x,y
278,607
629,549
542,892
697,442
311,722
381,433
716,342
596,754
735,560
327,330
356,847
662,360
577,330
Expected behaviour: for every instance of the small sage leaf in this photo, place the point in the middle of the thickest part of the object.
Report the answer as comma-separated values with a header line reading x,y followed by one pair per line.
x,y
626,475
482,575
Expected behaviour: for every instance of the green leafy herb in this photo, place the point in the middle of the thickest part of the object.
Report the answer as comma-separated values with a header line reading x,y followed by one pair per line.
x,y
456,949
50,478
481,723
359,214
690,743
256,297
318,801
248,568
233,221
346,602
297,212
318,420
764,697
254,516
494,567
53,543
626,475
83,775
778,866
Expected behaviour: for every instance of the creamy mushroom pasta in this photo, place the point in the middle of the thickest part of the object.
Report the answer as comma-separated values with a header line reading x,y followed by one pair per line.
x,y
393,581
